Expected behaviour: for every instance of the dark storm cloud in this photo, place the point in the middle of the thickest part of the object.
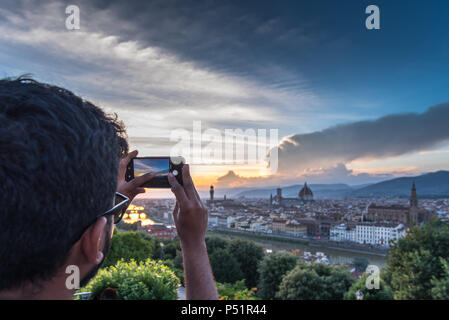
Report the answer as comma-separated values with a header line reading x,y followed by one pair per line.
x,y
392,135
227,36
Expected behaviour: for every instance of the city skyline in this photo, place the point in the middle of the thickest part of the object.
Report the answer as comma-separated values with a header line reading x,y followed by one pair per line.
x,y
379,97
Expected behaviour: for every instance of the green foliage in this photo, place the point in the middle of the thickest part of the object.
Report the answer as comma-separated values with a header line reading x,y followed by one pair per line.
x,y
148,280
179,272
440,288
128,245
127,226
383,293
236,291
248,255
214,242
170,248
225,267
360,264
315,281
271,269
177,261
414,265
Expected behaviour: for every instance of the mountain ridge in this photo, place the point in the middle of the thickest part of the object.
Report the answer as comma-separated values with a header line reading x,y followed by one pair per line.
x,y
431,184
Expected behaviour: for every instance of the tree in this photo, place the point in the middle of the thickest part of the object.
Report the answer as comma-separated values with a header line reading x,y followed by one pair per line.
x,y
169,249
315,281
177,261
440,288
214,242
271,270
248,255
414,264
383,293
147,280
127,246
225,267
124,226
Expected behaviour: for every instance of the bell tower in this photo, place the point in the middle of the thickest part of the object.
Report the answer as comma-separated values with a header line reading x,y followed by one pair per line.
x,y
211,192
413,197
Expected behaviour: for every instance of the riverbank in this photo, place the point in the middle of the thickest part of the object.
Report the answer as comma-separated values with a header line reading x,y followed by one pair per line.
x,y
325,244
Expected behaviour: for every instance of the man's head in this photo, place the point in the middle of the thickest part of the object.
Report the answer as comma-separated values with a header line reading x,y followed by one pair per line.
x,y
59,158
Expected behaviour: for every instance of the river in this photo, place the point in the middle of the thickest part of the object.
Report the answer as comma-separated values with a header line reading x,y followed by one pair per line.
x,y
335,256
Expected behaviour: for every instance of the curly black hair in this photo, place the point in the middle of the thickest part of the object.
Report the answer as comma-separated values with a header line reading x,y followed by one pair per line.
x,y
59,158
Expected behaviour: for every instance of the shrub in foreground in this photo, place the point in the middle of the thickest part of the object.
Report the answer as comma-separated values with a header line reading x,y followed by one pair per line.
x,y
147,280
236,291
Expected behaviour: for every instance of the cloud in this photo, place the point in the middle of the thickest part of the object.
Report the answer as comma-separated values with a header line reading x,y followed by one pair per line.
x,y
162,64
389,136
338,173
153,89
233,180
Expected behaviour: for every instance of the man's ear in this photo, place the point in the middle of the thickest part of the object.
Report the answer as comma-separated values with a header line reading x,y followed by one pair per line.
x,y
91,241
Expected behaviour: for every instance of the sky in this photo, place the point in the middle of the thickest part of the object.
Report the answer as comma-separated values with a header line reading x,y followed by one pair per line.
x,y
350,105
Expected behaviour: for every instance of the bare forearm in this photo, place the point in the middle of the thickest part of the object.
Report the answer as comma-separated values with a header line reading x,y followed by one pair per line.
x,y
198,278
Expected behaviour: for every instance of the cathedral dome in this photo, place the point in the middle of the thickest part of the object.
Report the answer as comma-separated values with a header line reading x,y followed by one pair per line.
x,y
305,193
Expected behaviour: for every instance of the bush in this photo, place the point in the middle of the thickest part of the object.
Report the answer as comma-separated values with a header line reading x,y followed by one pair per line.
x,y
383,293
179,272
147,280
315,281
128,245
236,291
271,269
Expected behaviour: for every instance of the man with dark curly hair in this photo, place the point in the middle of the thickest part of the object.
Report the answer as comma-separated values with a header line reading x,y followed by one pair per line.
x,y
62,187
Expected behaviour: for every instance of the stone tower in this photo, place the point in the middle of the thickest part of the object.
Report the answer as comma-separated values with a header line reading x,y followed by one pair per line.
x,y
279,192
413,197
279,196
211,192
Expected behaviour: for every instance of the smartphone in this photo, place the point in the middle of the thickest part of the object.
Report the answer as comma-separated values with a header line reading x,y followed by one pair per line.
x,y
161,166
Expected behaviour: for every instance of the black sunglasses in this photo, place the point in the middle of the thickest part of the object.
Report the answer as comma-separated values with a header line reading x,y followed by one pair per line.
x,y
121,203
118,210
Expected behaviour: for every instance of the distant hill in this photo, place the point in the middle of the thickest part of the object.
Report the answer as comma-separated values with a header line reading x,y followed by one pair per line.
x,y
319,191
429,185
434,184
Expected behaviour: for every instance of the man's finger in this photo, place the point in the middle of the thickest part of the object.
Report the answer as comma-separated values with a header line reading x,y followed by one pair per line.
x,y
137,182
140,190
188,183
178,190
124,162
194,188
175,213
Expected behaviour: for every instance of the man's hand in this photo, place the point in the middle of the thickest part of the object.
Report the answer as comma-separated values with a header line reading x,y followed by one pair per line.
x,y
190,218
131,188
190,215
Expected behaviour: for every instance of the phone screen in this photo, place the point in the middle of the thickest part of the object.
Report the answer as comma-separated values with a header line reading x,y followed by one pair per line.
x,y
160,166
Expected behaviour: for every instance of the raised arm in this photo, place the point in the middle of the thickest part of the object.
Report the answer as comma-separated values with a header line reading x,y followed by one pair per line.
x,y
190,218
